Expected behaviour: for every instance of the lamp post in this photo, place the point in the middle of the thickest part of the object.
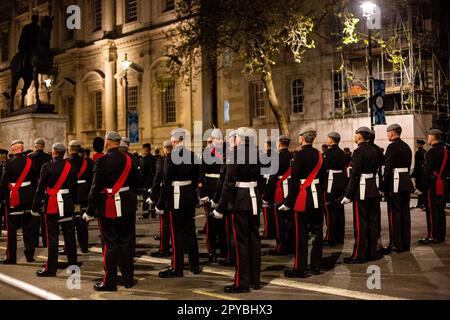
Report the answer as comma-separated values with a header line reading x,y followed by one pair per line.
x,y
126,65
368,12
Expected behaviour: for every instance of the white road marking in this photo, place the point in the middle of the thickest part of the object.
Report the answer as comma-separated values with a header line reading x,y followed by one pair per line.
x,y
44,294
214,295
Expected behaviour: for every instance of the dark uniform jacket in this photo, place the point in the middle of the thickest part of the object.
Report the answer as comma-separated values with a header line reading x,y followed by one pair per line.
x,y
211,164
157,181
148,167
335,159
11,173
398,155
380,164
305,160
433,163
240,169
285,159
365,160
419,162
40,158
181,165
50,174
85,181
107,171
223,172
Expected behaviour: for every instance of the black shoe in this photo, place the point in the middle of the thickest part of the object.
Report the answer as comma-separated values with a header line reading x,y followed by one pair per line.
x,y
379,256
160,254
171,273
144,217
226,263
7,261
157,238
62,252
276,253
396,250
327,243
295,274
30,259
84,251
426,240
351,260
45,274
153,215
100,286
314,271
212,258
129,284
256,287
234,289
196,270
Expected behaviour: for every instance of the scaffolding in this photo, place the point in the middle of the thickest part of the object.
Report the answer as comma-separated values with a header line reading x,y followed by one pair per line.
x,y
421,83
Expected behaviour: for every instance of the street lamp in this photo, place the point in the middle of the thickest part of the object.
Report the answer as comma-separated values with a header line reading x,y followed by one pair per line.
x,y
369,11
126,65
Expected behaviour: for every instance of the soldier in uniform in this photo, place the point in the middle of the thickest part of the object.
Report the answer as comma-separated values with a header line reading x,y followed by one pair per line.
x,y
84,170
179,199
112,199
276,191
417,174
241,196
3,160
18,183
271,224
307,202
98,146
362,190
398,187
57,189
148,167
208,179
435,170
39,157
155,191
335,162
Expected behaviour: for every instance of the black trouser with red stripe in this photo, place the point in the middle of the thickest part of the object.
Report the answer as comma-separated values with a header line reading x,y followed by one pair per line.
x,y
335,217
366,228
399,220
118,243
305,222
182,225
436,219
70,245
164,233
82,229
270,225
228,232
247,241
13,223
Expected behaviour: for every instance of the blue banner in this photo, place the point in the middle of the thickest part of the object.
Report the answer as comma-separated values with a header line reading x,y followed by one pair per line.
x,y
379,93
134,127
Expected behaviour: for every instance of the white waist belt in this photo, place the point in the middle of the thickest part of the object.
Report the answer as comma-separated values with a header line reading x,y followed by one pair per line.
x,y
313,191
17,213
285,185
397,172
212,175
251,188
117,200
331,179
82,181
176,192
362,185
24,184
59,198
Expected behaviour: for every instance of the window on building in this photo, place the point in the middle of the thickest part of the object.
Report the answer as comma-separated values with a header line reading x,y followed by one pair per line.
x,y
131,10
70,107
133,99
169,104
5,47
168,5
96,15
258,98
297,97
98,103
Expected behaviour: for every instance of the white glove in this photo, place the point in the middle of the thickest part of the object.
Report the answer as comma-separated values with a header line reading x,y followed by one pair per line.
x,y
284,208
149,190
159,212
149,201
87,217
217,215
265,204
418,192
35,214
346,201
213,204
204,201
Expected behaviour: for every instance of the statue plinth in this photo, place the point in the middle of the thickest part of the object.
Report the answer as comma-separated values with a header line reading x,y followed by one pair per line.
x,y
34,108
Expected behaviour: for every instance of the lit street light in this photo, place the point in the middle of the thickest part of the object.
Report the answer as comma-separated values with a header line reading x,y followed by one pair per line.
x,y
126,65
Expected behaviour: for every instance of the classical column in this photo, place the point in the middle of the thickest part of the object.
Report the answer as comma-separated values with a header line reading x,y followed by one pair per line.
x,y
109,19
110,56
79,105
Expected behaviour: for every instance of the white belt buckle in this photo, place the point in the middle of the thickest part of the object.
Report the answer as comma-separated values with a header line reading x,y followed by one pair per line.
x,y
285,188
330,181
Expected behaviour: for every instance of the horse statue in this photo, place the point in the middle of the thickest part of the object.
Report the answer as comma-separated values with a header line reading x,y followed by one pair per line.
x,y
35,58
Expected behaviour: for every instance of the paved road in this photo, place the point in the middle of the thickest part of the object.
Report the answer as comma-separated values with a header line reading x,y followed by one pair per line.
x,y
424,273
